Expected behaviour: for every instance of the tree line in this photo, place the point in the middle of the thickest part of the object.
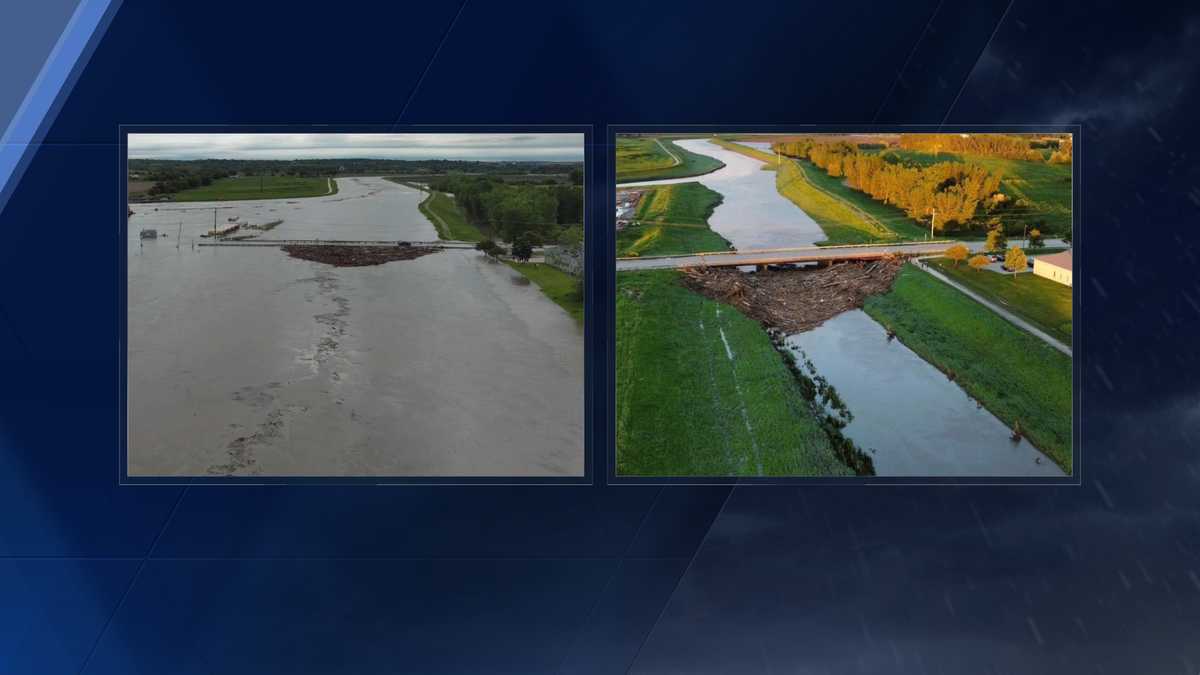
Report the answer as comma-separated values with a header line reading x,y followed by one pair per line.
x,y
516,211
1004,146
157,169
955,190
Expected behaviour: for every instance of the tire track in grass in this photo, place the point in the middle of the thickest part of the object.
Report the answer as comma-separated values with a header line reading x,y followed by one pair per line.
x,y
726,442
741,399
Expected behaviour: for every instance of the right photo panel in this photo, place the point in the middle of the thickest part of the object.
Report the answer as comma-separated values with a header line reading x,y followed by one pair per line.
x,y
818,305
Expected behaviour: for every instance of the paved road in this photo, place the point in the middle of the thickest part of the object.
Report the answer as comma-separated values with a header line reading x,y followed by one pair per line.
x,y
1012,318
785,255
778,255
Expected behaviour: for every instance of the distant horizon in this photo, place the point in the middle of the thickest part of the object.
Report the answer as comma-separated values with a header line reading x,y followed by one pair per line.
x,y
477,147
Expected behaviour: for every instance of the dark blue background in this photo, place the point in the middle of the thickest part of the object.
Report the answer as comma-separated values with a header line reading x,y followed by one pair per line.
x,y
1099,578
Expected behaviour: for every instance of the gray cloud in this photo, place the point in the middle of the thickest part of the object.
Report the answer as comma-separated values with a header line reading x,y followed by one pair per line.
x,y
478,146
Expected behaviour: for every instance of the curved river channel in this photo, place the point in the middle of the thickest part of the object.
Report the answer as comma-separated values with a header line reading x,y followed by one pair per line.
x,y
245,361
753,214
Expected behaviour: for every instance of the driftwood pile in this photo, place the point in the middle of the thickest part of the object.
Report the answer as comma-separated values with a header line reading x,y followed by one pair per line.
x,y
356,256
796,300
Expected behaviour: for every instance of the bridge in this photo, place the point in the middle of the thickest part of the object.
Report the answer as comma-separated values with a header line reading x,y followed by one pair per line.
x,y
335,242
784,256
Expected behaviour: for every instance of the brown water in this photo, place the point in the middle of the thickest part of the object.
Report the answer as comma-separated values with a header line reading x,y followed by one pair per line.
x,y
245,361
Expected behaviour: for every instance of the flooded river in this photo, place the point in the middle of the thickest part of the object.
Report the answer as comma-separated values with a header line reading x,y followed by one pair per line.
x,y
753,214
245,361
915,420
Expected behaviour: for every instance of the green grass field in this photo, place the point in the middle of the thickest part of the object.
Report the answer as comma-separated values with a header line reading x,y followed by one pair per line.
x,y
1044,303
841,222
1047,187
565,290
258,187
1013,374
702,392
673,219
645,158
448,219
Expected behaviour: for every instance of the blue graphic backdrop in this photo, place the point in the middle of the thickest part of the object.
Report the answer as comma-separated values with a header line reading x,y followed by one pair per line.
x,y
97,578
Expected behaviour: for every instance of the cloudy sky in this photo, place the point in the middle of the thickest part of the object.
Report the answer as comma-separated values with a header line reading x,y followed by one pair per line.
x,y
493,146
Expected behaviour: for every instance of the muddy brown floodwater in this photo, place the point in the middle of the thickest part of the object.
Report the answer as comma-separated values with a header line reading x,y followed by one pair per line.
x,y
246,361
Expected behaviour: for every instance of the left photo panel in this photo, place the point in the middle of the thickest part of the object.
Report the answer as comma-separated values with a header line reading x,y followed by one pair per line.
x,y
329,305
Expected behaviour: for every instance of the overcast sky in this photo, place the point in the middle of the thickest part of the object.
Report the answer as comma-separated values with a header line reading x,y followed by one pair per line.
x,y
494,146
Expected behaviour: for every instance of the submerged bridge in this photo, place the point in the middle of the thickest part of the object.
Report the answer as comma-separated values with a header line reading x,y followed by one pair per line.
x,y
784,256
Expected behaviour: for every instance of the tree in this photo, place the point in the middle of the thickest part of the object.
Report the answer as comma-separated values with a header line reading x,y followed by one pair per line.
x,y
957,253
1014,260
487,246
1035,238
996,239
522,248
1066,236
978,262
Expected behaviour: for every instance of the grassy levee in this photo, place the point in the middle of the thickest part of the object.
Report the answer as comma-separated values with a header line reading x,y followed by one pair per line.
x,y
673,219
701,391
754,153
645,158
891,217
1046,187
1013,374
565,290
1044,303
449,220
258,187
841,222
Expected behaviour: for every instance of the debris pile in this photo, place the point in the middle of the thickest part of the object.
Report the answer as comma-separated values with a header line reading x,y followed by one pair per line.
x,y
796,300
356,256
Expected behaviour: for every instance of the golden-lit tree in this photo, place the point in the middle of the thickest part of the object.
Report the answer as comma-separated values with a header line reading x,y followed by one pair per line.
x,y
978,262
1014,260
957,253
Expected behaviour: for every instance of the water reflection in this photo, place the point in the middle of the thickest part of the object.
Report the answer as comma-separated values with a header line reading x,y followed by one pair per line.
x,y
915,420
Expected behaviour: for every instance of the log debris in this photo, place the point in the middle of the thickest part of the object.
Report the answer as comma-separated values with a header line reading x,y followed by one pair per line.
x,y
796,300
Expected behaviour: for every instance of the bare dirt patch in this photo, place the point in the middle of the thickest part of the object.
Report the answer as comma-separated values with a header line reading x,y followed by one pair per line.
x,y
356,256
796,300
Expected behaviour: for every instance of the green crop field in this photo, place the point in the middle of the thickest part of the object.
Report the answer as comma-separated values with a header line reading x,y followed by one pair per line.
x,y
1045,187
841,222
258,187
702,392
1044,303
565,290
673,219
642,158
1013,374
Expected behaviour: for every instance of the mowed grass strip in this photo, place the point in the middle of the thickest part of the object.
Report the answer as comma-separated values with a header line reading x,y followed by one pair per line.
x,y
258,187
672,220
768,159
702,392
841,223
565,290
1044,303
447,218
1013,374
891,217
642,158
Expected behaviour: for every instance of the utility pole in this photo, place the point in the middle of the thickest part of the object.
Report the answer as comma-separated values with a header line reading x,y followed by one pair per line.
x,y
932,219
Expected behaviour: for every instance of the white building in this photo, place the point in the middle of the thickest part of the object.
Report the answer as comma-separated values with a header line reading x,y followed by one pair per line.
x,y
1056,267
